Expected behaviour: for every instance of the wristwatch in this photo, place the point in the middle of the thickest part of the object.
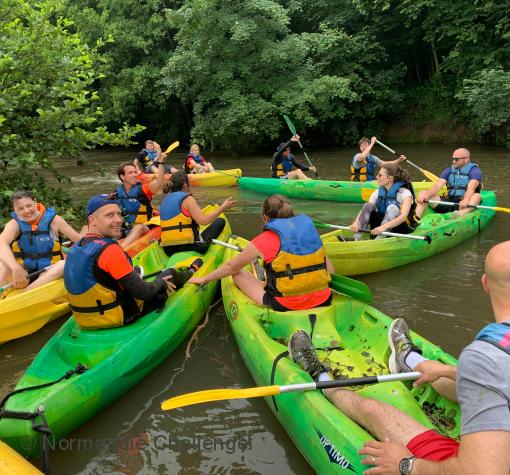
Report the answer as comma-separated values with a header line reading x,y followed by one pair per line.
x,y
160,163
406,465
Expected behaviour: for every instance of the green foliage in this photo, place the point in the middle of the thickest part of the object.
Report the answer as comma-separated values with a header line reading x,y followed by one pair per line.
x,y
48,108
240,67
487,100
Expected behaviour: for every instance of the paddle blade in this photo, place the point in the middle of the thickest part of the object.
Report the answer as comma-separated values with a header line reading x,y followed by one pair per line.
x,y
429,175
353,288
499,208
218,395
172,147
290,125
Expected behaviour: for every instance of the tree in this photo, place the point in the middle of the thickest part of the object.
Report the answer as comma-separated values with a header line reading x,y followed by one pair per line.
x,y
239,67
47,108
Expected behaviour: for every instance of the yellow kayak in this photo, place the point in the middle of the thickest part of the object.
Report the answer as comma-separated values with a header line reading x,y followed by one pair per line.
x,y
13,463
25,312
216,178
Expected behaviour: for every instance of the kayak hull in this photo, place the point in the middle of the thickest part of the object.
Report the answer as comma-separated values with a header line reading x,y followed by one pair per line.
x,y
353,339
325,190
23,313
117,358
216,178
368,255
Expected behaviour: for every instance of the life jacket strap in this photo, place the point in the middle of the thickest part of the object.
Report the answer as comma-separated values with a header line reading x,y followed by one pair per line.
x,y
180,227
35,255
99,308
290,272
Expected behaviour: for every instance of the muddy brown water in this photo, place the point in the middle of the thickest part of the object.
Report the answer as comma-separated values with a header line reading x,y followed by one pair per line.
x,y
441,298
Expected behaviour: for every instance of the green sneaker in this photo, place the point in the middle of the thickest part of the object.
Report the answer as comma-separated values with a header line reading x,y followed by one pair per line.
x,y
303,353
401,345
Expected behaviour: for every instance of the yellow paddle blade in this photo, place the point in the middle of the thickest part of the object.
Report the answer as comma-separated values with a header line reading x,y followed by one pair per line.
x,y
172,146
429,175
218,395
499,208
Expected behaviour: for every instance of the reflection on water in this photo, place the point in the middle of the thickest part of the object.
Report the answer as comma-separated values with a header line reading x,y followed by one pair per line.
x,y
441,297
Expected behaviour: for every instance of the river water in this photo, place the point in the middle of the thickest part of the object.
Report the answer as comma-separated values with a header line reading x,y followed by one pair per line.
x,y
441,298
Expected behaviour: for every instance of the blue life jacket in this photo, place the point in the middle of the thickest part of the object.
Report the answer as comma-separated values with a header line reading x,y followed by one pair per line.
x,y
458,181
176,227
388,197
299,268
36,249
497,334
152,154
136,207
366,172
149,160
96,298
284,167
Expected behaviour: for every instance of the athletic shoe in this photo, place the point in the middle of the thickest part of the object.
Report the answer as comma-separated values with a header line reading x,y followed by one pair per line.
x,y
302,352
139,270
401,345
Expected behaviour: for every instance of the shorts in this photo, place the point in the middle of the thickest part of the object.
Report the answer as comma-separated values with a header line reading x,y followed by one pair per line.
x,y
430,445
270,301
441,209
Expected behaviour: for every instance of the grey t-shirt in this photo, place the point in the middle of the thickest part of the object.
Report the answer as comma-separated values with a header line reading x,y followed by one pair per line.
x,y
483,388
378,162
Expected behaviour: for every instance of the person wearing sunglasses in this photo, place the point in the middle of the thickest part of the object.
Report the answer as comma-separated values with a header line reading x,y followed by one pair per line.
x,y
463,181
389,208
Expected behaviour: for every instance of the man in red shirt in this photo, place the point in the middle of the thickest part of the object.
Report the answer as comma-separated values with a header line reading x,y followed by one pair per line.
x,y
135,198
104,289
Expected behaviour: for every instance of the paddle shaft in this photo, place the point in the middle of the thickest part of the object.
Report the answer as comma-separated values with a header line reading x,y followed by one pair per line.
x,y
451,203
344,383
265,391
398,154
384,233
33,274
293,131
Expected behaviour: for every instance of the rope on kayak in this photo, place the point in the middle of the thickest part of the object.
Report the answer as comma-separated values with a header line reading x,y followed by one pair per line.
x,y
200,328
39,423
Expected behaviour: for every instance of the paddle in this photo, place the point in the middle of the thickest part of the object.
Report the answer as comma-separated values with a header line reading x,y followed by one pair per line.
x,y
339,283
264,391
449,203
33,274
172,146
320,224
428,174
293,131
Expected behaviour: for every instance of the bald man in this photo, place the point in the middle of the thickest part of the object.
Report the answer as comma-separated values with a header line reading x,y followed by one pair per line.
x,y
481,382
463,180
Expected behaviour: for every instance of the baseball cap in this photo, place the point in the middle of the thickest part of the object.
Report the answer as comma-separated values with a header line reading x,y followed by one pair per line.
x,y
99,201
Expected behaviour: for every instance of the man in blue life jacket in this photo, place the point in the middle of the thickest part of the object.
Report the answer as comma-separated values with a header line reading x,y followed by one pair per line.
x,y
135,198
146,159
480,383
364,164
463,181
284,162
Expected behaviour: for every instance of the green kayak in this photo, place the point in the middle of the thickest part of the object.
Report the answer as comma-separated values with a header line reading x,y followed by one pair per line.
x,y
352,338
117,358
369,255
326,190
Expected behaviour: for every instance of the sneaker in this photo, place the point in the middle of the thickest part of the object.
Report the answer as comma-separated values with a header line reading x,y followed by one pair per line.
x,y
302,352
401,345
139,270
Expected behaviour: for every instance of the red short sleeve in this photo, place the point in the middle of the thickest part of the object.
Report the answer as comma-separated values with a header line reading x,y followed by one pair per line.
x,y
146,188
114,261
268,243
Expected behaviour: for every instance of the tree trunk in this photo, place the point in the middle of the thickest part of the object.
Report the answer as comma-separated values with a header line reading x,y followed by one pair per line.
x,y
434,55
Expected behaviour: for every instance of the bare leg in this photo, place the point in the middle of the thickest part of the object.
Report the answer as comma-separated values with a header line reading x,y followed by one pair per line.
x,y
137,231
250,286
297,175
420,208
475,200
210,167
56,271
378,418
